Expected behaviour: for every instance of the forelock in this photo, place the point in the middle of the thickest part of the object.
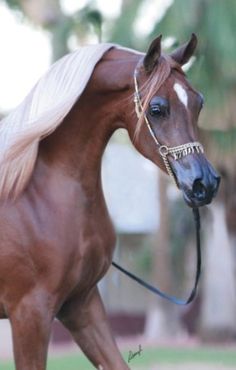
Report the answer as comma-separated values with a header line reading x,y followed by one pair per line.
x,y
154,82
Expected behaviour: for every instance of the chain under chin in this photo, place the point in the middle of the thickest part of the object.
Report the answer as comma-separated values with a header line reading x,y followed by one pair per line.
x,y
178,152
169,169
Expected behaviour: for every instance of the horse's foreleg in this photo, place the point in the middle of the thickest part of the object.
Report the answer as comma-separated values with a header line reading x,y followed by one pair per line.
x,y
89,326
31,327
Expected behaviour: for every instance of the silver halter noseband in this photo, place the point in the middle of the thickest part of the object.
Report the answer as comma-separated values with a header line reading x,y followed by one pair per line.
x,y
176,152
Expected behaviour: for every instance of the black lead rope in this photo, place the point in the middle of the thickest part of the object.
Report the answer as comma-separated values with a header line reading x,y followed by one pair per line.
x,y
157,291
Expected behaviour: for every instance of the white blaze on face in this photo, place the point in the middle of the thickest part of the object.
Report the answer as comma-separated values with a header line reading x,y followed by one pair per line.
x,y
181,93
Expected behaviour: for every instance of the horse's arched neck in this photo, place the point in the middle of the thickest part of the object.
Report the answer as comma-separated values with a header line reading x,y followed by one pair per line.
x,y
75,149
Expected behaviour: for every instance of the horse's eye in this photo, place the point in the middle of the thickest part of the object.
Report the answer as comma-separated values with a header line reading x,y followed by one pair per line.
x,y
159,107
155,110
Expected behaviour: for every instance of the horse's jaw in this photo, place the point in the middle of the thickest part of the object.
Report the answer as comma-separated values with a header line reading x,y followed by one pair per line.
x,y
197,179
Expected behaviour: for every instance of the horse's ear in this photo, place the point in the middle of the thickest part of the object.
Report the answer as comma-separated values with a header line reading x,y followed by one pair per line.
x,y
153,55
184,53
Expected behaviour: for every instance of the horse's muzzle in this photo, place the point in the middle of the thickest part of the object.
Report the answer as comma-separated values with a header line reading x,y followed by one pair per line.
x,y
197,179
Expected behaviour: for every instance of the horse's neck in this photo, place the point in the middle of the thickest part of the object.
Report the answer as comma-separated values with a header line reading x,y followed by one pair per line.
x,y
76,147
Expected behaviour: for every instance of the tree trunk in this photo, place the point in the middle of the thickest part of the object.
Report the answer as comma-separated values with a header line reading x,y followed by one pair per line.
x,y
41,12
162,319
47,14
218,311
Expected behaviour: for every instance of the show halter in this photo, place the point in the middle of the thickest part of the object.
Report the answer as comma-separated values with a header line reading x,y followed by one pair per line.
x,y
176,152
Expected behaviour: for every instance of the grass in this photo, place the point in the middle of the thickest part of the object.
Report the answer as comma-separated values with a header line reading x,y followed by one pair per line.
x,y
185,355
148,357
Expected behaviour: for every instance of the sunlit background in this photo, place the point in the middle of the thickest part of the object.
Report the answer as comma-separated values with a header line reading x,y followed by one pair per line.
x,y
154,227
26,48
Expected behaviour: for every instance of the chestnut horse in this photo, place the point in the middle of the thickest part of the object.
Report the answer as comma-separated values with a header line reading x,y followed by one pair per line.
x,y
56,236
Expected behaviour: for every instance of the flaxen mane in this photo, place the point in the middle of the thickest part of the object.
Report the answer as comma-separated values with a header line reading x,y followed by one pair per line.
x,y
40,114
44,108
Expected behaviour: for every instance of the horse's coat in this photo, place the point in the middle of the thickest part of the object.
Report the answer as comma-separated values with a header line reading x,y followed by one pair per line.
x,y
56,236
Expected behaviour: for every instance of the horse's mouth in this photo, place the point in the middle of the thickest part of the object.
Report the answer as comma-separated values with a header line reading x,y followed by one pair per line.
x,y
197,179
200,195
195,203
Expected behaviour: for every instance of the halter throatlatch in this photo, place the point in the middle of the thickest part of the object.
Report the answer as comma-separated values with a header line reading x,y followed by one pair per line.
x,y
176,152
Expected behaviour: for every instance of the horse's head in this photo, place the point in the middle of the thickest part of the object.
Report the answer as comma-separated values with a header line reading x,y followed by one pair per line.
x,y
168,108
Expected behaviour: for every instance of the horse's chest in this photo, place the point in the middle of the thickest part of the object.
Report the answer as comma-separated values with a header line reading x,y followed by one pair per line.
x,y
89,252
60,250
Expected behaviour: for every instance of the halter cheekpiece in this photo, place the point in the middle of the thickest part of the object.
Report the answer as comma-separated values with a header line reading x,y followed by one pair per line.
x,y
176,152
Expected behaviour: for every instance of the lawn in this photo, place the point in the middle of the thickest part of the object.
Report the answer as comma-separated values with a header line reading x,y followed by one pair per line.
x,y
148,357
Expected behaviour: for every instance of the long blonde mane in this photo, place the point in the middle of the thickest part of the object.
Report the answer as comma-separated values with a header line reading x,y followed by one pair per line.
x,y
40,114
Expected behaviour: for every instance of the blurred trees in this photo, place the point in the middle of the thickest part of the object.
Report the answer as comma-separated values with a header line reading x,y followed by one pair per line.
x,y
122,30
214,74
49,15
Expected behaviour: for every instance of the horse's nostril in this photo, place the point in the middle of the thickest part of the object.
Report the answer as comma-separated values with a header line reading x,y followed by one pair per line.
x,y
199,190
